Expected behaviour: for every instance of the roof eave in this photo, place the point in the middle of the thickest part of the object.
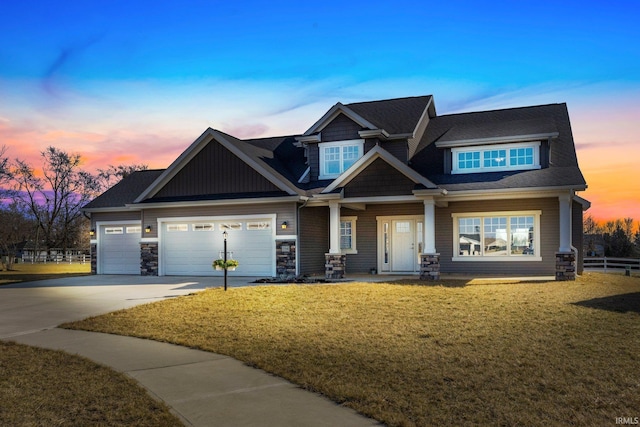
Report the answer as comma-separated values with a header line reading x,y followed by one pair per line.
x,y
496,140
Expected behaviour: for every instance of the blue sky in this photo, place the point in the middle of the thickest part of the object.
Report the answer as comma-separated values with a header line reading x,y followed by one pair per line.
x,y
137,81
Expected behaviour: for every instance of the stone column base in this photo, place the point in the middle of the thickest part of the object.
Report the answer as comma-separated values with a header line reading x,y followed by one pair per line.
x,y
149,259
94,258
430,266
286,258
565,266
335,266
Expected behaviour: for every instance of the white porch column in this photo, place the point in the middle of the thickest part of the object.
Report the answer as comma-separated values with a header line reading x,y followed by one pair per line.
x,y
334,227
429,237
565,223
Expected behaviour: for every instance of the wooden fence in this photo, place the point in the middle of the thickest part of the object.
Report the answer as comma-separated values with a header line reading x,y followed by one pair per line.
x,y
611,264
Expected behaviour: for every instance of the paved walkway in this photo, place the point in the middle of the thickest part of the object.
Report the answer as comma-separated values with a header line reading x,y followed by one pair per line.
x,y
202,388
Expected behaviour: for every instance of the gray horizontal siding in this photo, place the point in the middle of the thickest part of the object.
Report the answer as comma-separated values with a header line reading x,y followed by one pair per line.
x,y
366,232
341,128
133,216
285,211
314,239
577,234
549,237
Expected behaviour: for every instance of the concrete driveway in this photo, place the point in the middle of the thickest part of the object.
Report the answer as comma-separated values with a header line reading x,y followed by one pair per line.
x,y
34,306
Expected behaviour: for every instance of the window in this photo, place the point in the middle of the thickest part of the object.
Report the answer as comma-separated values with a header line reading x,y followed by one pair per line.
x,y
491,158
500,235
258,225
337,157
173,228
231,226
348,234
134,229
203,227
113,230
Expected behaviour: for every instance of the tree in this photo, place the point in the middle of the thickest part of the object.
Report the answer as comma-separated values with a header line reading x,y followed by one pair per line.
x,y
56,196
15,227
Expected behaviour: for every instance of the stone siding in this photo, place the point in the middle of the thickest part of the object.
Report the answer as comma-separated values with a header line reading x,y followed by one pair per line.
x,y
149,259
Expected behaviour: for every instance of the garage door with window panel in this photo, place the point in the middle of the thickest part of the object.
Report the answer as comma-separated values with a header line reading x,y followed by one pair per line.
x,y
119,249
189,247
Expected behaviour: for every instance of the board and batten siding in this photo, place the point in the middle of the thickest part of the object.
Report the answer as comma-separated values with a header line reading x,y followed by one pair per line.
x,y
379,179
549,237
314,239
215,170
340,129
285,211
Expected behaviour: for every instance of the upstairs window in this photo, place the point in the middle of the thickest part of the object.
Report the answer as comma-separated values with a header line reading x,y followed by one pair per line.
x,y
337,157
491,158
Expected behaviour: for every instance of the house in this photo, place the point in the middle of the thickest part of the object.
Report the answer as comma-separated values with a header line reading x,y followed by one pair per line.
x,y
385,185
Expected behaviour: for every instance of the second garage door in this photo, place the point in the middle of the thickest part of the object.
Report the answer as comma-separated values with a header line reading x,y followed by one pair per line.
x,y
189,247
119,249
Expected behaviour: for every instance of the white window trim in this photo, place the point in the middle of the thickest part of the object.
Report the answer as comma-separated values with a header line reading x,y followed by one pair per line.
x,y
354,248
351,142
455,151
509,258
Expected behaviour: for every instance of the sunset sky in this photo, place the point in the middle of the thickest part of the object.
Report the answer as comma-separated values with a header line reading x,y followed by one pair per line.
x,y
138,81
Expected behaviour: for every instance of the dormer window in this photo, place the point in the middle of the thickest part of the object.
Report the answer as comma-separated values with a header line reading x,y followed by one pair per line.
x,y
493,158
336,157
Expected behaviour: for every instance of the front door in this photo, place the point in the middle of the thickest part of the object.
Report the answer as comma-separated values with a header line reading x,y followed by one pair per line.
x,y
403,257
399,243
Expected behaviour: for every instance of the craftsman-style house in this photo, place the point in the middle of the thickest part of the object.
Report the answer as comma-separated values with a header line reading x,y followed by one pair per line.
x,y
384,186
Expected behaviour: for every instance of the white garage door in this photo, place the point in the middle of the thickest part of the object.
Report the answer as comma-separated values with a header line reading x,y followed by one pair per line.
x,y
119,251
189,248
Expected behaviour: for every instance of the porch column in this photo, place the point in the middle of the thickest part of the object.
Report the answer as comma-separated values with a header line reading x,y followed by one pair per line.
x,y
335,261
429,237
429,258
565,257
565,223
334,227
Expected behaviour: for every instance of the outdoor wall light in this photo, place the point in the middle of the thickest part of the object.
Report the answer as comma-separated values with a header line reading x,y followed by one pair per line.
x,y
147,229
92,232
284,225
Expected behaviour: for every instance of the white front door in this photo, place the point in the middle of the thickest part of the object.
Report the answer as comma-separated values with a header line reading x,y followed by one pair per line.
x,y
403,253
399,243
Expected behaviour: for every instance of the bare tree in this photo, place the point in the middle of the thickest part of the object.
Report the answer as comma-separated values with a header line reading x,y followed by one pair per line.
x,y
56,196
15,227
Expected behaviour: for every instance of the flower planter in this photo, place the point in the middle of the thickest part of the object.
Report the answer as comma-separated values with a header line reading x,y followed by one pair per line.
x,y
218,268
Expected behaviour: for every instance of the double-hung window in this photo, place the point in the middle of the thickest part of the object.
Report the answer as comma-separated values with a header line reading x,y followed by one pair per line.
x,y
348,234
487,236
337,157
493,158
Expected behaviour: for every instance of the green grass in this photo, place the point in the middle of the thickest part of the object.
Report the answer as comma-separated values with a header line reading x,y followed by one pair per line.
x,y
27,272
51,388
455,353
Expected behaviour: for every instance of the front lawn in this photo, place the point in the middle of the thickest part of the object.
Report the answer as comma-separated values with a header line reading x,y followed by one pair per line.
x,y
51,388
27,272
456,353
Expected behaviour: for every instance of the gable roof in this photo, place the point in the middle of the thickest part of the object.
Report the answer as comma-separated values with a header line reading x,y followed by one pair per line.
x,y
399,116
251,154
282,162
375,153
125,191
549,121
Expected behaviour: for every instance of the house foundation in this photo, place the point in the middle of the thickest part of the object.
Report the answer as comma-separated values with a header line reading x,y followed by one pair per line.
x,y
335,266
429,266
565,266
149,259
